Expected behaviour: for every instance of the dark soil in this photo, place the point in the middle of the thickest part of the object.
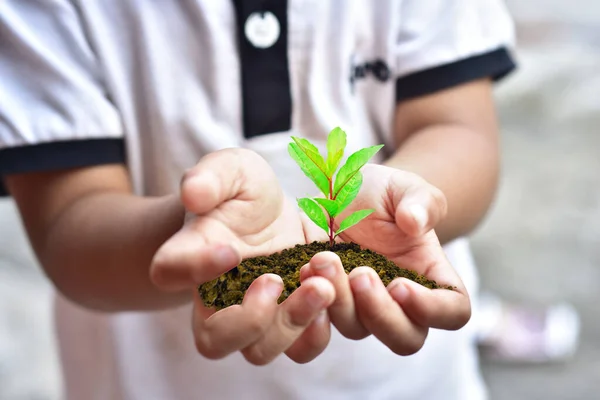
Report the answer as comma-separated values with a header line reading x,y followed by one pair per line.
x,y
230,287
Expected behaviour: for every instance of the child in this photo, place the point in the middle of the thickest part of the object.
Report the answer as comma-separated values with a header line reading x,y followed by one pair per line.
x,y
104,107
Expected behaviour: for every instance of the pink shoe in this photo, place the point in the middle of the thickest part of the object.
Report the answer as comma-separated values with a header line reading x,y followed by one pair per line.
x,y
518,334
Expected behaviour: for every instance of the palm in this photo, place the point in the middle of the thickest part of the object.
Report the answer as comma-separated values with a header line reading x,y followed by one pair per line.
x,y
252,226
232,211
235,199
380,231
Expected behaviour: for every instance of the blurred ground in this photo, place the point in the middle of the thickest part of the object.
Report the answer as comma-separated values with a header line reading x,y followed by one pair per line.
x,y
540,243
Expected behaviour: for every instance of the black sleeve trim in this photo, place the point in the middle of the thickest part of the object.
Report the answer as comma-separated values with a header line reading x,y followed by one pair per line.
x,y
495,64
60,155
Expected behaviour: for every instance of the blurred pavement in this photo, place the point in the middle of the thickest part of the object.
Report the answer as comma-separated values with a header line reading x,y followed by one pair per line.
x,y
541,242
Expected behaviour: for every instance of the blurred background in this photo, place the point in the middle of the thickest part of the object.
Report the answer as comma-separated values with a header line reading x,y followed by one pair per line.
x,y
541,242
539,245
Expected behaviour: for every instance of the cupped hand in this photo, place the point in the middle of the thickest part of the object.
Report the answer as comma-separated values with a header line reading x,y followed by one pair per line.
x,y
407,208
236,209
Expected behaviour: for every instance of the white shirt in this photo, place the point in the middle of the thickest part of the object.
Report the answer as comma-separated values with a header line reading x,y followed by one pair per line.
x,y
158,84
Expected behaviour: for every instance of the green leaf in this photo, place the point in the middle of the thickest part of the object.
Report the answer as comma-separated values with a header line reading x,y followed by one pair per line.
x,y
353,219
314,212
331,206
309,168
312,152
348,192
354,163
336,143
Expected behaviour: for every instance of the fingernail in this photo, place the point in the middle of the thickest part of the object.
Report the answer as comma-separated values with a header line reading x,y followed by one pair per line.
x,y
304,271
315,299
398,291
361,282
325,269
225,255
322,318
419,214
274,286
191,182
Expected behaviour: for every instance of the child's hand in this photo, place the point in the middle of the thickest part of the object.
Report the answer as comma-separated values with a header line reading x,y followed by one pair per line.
x,y
236,209
406,210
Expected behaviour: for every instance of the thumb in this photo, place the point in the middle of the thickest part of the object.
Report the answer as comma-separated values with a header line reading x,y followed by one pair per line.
x,y
419,207
225,175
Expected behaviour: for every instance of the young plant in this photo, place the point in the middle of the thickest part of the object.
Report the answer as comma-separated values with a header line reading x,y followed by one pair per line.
x,y
339,192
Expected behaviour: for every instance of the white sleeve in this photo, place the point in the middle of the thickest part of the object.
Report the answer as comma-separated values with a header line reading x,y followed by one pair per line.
x,y
443,43
54,110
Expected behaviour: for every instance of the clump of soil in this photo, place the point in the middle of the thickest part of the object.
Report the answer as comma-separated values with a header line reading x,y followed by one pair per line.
x,y
229,288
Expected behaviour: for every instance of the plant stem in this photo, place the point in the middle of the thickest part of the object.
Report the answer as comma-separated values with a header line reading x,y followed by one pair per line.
x,y
331,231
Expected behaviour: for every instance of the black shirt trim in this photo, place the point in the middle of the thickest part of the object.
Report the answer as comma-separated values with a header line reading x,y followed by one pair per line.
x,y
495,64
265,75
60,155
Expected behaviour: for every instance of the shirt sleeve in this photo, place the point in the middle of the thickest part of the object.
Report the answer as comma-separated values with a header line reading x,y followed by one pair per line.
x,y
444,43
55,112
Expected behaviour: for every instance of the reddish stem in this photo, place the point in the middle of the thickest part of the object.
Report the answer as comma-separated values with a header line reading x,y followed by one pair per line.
x,y
331,231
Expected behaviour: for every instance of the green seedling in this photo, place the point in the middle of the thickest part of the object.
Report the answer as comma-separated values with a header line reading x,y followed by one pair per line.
x,y
338,192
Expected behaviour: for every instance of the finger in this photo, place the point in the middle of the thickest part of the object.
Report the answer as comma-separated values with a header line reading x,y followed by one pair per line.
x,y
238,326
230,174
382,316
215,179
184,261
305,272
313,340
420,207
438,308
294,315
342,312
